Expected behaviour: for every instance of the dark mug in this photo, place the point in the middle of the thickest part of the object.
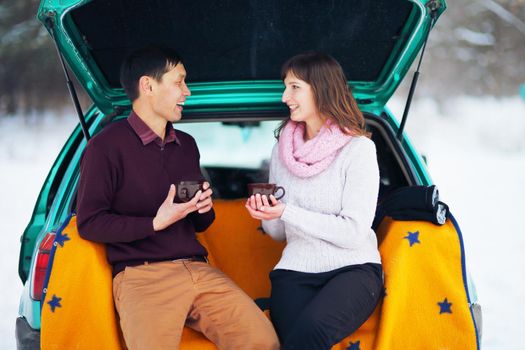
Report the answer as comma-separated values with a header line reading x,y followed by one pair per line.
x,y
265,189
186,190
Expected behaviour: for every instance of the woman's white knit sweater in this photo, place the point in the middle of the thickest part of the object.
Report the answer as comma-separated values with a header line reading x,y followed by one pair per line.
x,y
328,217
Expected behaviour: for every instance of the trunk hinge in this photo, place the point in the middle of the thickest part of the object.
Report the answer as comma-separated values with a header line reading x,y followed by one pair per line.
x,y
70,86
434,5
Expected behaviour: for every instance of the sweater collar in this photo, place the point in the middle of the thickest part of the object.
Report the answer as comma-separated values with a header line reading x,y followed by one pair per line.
x,y
147,135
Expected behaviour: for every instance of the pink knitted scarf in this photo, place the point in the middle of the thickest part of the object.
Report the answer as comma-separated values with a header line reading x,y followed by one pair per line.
x,y
308,158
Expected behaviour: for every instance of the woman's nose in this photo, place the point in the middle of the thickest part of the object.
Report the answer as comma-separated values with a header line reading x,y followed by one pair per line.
x,y
285,96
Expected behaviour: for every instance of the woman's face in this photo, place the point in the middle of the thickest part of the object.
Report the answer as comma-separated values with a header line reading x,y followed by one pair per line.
x,y
298,96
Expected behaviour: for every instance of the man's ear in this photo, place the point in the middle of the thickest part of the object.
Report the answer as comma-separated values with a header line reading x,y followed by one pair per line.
x,y
145,85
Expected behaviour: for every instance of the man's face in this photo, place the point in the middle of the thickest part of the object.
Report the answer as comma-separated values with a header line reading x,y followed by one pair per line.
x,y
169,94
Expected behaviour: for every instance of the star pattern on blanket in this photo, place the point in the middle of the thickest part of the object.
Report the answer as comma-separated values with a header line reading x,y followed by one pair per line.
x,y
61,238
54,302
354,346
413,238
444,307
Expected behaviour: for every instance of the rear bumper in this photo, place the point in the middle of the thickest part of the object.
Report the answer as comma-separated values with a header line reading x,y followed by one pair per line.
x,y
27,338
478,319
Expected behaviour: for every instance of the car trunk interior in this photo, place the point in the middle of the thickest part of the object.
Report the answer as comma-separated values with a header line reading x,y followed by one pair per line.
x,y
235,236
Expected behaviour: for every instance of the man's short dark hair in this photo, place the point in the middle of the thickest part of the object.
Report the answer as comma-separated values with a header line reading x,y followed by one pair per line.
x,y
150,61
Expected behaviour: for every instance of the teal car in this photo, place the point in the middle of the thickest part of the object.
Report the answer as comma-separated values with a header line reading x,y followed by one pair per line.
x,y
232,51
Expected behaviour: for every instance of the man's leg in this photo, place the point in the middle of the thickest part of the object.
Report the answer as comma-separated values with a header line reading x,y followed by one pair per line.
x,y
338,310
225,314
153,302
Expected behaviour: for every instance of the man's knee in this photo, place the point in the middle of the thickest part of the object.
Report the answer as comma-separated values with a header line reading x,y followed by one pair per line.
x,y
256,337
259,333
264,339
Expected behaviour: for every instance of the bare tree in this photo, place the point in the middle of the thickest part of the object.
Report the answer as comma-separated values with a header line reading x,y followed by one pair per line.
x,y
30,76
477,48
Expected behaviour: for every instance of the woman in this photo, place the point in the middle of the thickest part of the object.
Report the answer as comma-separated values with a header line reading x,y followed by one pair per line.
x,y
329,278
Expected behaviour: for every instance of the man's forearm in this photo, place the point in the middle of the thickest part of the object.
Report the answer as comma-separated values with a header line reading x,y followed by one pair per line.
x,y
112,228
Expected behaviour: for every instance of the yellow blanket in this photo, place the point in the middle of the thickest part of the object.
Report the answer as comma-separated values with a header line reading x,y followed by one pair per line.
x,y
425,306
426,303
78,311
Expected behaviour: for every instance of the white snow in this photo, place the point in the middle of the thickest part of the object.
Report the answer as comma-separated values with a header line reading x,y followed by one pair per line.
x,y
476,155
28,148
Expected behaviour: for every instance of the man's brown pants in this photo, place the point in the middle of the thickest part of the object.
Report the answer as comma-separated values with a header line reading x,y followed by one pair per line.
x,y
156,300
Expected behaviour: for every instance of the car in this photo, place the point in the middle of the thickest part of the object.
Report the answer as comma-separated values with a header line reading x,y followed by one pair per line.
x,y
233,51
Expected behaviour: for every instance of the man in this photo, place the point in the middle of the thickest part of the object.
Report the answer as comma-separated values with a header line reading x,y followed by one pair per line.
x,y
127,200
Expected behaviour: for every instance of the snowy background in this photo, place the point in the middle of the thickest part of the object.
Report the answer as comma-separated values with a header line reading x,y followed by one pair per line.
x,y
476,155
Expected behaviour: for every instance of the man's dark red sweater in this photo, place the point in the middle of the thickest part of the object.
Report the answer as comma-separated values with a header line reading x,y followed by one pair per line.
x,y
125,175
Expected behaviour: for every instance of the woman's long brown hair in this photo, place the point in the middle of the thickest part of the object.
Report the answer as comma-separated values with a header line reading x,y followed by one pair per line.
x,y
333,97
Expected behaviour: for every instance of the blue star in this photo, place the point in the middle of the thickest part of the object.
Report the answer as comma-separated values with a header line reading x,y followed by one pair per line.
x,y
444,307
61,238
54,302
413,238
354,346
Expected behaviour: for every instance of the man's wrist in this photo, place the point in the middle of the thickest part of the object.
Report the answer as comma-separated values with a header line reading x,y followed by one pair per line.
x,y
156,225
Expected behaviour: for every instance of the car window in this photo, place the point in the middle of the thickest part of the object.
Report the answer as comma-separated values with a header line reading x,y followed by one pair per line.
x,y
237,153
236,145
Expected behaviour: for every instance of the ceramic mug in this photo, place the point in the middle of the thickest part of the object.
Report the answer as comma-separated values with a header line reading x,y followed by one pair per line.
x,y
186,190
265,189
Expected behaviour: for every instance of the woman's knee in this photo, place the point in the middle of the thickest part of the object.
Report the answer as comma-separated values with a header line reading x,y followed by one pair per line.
x,y
309,332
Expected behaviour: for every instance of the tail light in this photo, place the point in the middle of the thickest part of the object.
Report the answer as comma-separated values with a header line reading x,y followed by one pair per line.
x,y
42,260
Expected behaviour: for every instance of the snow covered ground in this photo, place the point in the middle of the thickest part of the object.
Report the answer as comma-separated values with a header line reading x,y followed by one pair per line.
x,y
28,147
476,155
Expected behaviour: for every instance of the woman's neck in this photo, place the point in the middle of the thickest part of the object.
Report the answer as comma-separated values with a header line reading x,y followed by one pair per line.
x,y
312,128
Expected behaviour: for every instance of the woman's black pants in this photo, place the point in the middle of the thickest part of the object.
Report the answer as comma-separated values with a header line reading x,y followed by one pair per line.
x,y
318,310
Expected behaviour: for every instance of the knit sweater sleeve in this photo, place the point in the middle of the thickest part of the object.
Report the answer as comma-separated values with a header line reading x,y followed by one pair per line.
x,y
353,223
201,221
95,219
274,228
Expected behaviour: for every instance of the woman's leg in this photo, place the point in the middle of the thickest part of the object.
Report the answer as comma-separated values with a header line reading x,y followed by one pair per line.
x,y
291,292
338,310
